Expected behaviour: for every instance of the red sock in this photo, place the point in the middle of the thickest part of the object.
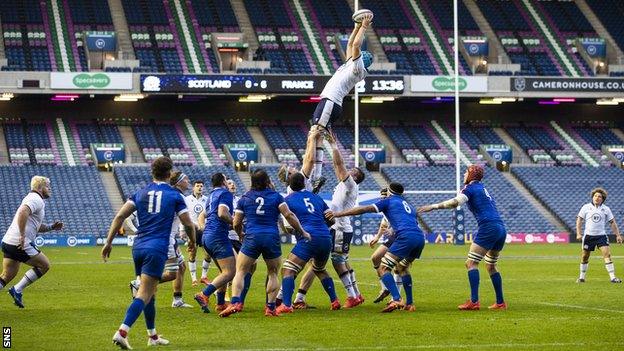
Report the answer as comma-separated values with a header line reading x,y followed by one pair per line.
x,y
123,333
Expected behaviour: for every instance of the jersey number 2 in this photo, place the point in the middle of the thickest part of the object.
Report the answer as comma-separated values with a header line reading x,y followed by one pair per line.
x,y
154,206
260,202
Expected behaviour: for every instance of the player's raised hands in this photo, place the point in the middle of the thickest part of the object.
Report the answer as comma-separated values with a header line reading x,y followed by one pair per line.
x,y
368,19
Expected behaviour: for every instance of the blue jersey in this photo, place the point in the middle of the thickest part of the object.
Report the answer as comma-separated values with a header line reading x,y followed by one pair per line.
x,y
481,204
400,214
214,225
261,210
157,205
310,210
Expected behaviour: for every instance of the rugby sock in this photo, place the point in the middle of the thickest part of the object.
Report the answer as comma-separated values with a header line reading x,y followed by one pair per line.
x,y
2,283
133,312
473,278
330,289
346,281
193,269
246,284
205,266
583,270
317,170
301,295
398,281
288,287
220,297
123,330
497,281
150,314
354,283
611,269
388,281
236,299
177,296
152,334
209,290
271,306
30,277
407,286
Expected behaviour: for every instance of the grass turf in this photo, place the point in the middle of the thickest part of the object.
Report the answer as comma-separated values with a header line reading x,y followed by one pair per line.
x,y
79,304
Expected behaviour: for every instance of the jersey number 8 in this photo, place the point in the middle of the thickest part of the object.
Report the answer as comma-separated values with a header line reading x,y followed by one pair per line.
x,y
407,207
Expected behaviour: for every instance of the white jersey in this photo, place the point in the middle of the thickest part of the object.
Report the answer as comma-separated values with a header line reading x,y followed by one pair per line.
x,y
344,198
232,234
35,202
307,183
596,219
195,205
344,80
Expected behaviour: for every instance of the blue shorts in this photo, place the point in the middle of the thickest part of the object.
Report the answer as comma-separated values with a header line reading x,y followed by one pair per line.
x,y
591,242
327,112
149,262
491,237
387,240
319,249
267,245
407,246
218,248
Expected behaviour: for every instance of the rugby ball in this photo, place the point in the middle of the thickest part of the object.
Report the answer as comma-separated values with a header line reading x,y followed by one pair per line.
x,y
358,16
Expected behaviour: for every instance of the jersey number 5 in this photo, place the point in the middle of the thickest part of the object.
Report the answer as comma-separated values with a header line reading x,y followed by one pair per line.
x,y
154,206
260,202
309,205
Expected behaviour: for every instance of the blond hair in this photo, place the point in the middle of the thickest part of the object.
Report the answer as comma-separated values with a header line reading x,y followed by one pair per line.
x,y
38,182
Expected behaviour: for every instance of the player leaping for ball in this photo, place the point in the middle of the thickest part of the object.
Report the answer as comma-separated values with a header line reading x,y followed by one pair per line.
x,y
329,109
489,240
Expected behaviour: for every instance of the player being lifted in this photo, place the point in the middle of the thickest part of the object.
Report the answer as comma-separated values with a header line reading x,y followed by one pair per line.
x,y
260,207
311,210
197,202
344,198
218,219
596,215
488,241
407,246
329,109
18,243
157,205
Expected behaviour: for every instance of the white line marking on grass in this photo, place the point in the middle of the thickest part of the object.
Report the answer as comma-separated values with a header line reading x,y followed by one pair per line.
x,y
580,307
441,346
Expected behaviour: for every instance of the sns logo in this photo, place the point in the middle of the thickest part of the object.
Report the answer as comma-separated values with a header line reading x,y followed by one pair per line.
x,y
596,218
198,208
6,337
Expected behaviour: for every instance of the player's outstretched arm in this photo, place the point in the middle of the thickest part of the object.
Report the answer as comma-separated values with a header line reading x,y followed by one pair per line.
x,y
125,212
358,38
382,229
451,203
189,228
339,165
293,220
309,157
356,29
356,211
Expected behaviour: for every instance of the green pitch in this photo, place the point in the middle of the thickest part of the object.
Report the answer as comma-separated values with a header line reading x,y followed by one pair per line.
x,y
79,304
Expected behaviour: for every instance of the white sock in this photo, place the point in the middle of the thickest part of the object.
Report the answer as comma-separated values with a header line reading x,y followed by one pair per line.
x,y
611,269
317,170
29,278
346,281
583,270
398,281
354,283
193,269
205,266
280,294
124,328
300,297
151,332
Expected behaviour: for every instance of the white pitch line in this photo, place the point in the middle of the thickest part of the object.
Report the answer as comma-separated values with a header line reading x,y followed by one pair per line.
x,y
580,307
441,346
